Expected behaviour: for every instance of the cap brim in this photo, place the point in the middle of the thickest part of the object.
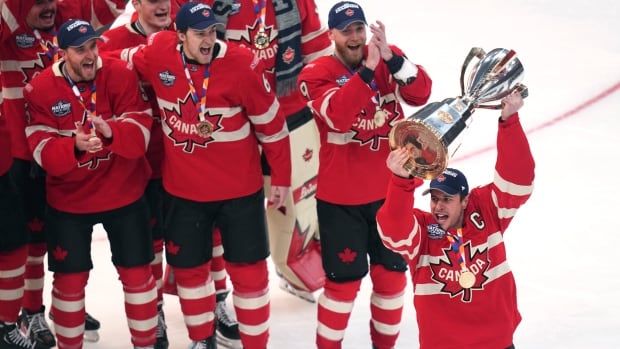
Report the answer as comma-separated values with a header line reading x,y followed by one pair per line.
x,y
82,41
442,188
347,23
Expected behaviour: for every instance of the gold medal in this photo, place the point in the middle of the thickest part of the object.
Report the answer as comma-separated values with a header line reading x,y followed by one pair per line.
x,y
261,40
380,117
205,129
467,279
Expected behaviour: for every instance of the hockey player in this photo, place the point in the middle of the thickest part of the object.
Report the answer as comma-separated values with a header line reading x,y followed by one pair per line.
x,y
89,130
122,42
227,328
216,108
456,251
13,251
286,36
355,96
27,45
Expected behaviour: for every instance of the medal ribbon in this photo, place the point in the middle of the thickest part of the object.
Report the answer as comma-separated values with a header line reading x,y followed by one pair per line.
x,y
260,9
52,53
456,245
199,100
90,109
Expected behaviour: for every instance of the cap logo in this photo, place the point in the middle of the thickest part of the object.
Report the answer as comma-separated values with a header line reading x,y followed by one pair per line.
x,y
82,29
450,173
349,12
76,24
206,13
198,7
440,178
346,6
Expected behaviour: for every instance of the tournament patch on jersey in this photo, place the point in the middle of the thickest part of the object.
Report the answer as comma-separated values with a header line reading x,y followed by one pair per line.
x,y
342,80
24,41
61,108
435,232
167,78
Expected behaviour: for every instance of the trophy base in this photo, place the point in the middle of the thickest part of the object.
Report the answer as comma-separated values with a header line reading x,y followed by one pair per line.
x,y
428,156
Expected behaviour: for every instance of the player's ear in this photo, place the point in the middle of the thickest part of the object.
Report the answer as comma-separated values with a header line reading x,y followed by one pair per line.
x,y
182,36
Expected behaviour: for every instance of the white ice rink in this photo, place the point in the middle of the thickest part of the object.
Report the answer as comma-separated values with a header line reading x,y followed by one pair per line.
x,y
564,244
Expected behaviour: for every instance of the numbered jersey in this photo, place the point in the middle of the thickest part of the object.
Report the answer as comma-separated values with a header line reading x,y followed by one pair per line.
x,y
241,111
354,146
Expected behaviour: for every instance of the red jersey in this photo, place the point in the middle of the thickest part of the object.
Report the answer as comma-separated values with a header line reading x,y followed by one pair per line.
x,y
97,12
24,52
5,142
81,182
240,107
120,42
353,150
242,26
484,316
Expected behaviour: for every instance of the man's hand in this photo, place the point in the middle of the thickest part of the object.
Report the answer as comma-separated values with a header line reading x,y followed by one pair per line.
x,y
373,56
85,141
378,38
396,160
278,196
101,126
511,104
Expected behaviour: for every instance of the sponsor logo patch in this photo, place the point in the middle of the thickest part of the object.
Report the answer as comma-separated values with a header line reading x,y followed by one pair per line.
x,y
24,41
435,232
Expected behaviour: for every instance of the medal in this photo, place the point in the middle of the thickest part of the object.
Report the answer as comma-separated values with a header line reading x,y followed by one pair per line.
x,y
261,40
205,129
467,279
380,117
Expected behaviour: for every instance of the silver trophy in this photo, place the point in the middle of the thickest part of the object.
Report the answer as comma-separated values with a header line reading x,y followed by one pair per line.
x,y
428,133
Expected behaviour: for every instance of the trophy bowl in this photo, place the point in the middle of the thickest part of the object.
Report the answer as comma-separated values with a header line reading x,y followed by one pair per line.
x,y
428,133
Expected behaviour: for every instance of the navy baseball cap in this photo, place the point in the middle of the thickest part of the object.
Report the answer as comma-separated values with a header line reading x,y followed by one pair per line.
x,y
197,16
344,13
75,33
451,182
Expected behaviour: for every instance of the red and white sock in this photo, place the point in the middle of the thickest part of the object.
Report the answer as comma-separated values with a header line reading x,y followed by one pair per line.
x,y
12,269
157,268
218,265
140,303
34,277
334,311
251,301
197,297
68,309
386,305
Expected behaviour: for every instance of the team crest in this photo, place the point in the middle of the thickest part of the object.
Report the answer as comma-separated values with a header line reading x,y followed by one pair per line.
x,y
61,108
366,131
448,270
180,124
95,159
167,78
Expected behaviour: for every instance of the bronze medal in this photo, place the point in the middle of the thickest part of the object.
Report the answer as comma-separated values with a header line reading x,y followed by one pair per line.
x,y
261,40
467,279
205,129
380,117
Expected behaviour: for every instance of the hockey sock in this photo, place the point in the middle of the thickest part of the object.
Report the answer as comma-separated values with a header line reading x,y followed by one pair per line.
x,y
335,305
157,268
68,308
140,303
218,271
34,277
12,267
197,297
386,305
251,301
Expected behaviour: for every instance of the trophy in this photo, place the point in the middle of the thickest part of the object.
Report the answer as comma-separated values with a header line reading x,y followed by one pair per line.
x,y
428,133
